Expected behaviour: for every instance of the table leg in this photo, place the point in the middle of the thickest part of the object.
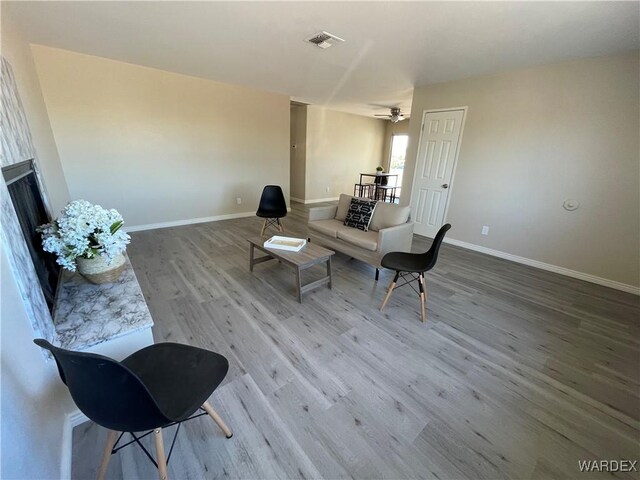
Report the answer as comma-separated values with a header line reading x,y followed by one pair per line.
x,y
329,271
299,284
251,253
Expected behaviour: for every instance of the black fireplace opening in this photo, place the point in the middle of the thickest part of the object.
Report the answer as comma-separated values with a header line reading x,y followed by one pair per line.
x,y
28,203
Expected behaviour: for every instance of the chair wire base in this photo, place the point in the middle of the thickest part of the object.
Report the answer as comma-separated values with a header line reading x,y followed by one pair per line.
x,y
414,277
272,222
136,439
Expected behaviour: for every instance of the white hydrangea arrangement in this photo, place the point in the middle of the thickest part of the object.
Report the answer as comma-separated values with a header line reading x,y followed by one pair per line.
x,y
84,230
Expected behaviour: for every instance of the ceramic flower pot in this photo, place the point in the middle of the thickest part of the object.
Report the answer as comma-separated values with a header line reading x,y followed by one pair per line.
x,y
99,270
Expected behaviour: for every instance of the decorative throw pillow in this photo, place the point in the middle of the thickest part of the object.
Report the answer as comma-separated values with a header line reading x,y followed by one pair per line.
x,y
360,213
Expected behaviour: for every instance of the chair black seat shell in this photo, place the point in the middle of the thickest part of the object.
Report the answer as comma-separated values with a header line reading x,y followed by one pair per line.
x,y
272,208
412,264
405,262
179,377
272,203
158,386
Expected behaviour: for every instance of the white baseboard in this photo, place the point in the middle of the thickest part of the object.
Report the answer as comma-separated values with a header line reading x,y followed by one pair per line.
x,y
71,420
189,221
546,266
314,200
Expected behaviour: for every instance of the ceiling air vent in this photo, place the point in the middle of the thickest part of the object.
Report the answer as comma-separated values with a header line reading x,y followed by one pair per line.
x,y
324,39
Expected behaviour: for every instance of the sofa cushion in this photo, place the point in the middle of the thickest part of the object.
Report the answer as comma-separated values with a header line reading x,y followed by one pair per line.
x,y
343,206
327,227
360,213
359,238
389,215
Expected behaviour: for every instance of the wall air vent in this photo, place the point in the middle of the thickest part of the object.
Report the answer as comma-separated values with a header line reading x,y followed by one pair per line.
x,y
324,39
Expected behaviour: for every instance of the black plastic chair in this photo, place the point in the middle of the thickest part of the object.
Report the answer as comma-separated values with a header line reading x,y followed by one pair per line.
x,y
414,265
159,386
272,207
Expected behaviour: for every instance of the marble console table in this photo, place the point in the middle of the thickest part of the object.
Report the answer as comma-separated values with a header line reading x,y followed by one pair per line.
x,y
91,317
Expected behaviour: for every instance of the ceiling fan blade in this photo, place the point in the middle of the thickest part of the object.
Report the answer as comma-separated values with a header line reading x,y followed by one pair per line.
x,y
380,115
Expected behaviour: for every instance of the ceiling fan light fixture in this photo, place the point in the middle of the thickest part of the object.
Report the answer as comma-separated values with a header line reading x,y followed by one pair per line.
x,y
395,115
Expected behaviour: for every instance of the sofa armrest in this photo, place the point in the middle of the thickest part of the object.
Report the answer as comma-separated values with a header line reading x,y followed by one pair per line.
x,y
322,213
395,239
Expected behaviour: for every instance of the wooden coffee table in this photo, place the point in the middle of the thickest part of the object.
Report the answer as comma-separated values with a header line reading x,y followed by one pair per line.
x,y
309,256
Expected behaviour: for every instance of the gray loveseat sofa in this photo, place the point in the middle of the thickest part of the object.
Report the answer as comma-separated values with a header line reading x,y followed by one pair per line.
x,y
390,230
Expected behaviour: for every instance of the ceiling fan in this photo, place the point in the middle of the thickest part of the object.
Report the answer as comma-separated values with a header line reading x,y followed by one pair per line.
x,y
395,116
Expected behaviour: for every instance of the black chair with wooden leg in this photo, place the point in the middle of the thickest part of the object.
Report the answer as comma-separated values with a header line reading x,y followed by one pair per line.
x,y
157,387
413,265
272,207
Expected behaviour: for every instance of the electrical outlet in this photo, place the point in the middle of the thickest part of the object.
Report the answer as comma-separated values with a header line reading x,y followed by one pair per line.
x,y
328,189
239,200
485,230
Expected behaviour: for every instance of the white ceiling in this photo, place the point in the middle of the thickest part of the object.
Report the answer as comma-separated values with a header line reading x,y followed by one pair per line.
x,y
390,46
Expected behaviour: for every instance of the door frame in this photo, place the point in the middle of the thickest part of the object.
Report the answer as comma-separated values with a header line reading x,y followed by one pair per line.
x,y
455,160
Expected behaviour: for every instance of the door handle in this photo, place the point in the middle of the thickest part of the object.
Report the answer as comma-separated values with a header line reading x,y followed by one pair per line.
x,y
446,185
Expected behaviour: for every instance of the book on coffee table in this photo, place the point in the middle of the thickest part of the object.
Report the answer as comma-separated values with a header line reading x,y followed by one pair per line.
x,y
285,243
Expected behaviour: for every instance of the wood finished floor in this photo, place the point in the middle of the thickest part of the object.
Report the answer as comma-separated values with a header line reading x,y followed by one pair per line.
x,y
518,373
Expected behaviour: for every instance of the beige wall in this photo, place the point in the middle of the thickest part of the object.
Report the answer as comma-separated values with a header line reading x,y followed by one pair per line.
x,y
339,147
298,150
534,138
159,146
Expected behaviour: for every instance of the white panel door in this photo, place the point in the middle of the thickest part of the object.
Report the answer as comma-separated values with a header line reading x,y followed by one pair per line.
x,y
439,143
